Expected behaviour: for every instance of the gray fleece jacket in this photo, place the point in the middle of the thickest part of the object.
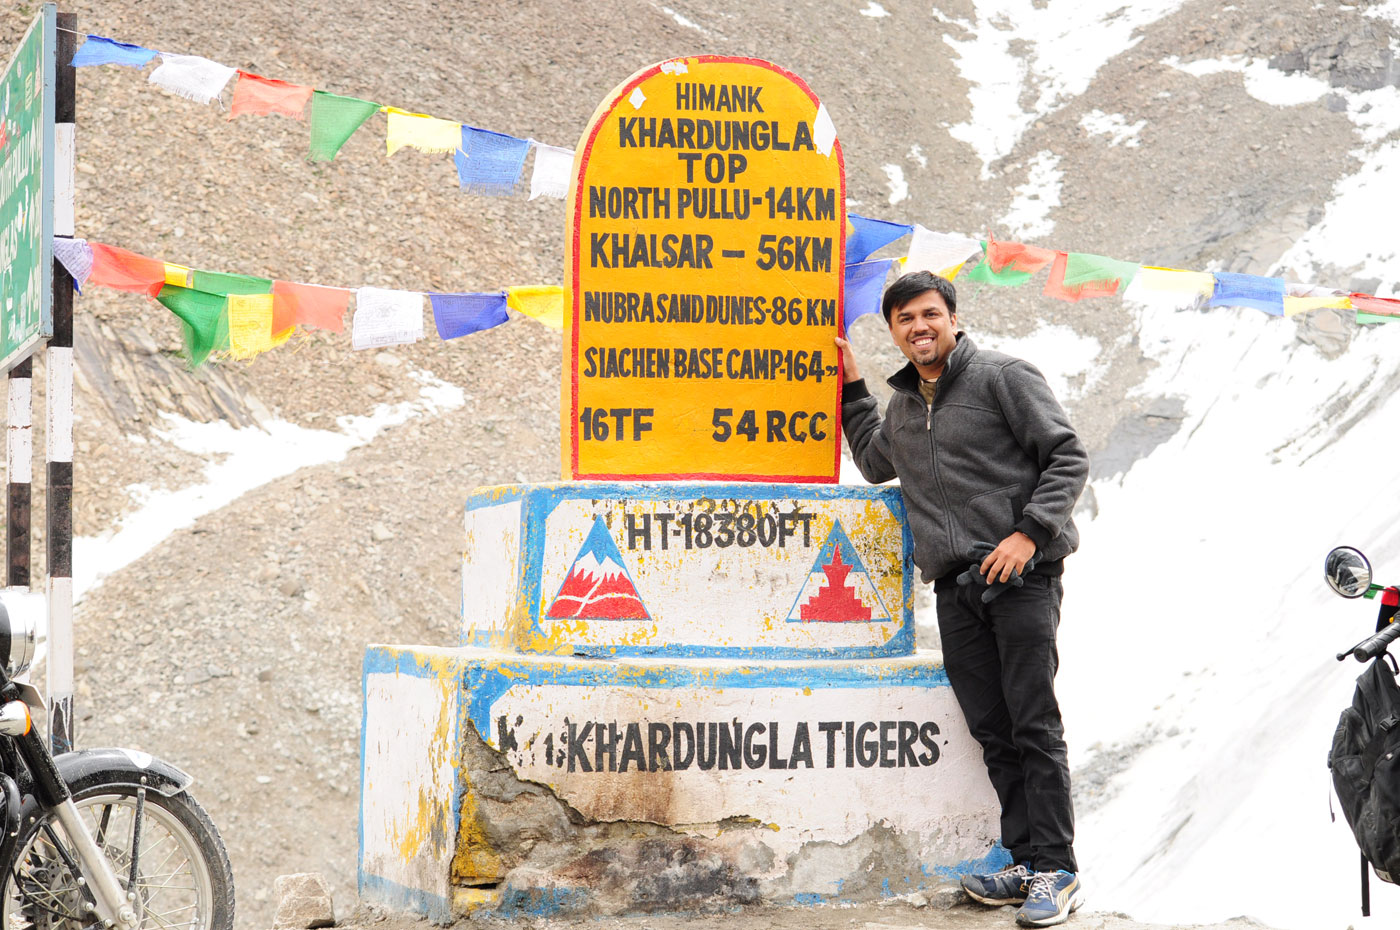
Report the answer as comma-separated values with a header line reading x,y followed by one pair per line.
x,y
995,453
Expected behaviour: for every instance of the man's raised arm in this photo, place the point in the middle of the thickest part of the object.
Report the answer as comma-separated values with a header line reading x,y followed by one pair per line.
x,y
860,418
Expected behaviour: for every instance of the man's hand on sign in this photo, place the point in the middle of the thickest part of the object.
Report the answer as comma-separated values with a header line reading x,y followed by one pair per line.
x,y
1010,556
848,361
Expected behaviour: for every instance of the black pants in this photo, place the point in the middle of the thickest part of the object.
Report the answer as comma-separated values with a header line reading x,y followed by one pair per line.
x,y
1001,660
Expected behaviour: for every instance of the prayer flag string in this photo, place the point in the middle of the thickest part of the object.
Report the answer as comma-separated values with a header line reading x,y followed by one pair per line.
x,y
488,162
245,315
493,163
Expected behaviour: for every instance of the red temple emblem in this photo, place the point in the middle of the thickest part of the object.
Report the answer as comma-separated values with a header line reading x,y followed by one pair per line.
x,y
838,589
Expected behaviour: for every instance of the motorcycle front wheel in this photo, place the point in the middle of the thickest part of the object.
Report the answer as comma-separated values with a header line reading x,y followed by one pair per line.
x,y
183,879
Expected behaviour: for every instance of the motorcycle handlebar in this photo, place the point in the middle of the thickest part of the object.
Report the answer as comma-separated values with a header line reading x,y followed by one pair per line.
x,y
1375,645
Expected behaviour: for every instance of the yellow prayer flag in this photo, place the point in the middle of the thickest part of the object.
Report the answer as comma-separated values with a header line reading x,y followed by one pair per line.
x,y
950,272
1292,306
422,132
250,325
1174,279
178,275
544,303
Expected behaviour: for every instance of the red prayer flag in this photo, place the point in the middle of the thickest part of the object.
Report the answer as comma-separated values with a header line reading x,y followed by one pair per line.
x,y
260,96
308,305
126,271
1017,256
1380,306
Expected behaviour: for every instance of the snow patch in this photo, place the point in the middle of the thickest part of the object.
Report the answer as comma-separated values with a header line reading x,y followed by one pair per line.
x,y
899,188
687,23
1029,215
1069,361
1346,239
1114,125
1050,50
1199,605
241,460
917,154
1263,83
1389,10
874,10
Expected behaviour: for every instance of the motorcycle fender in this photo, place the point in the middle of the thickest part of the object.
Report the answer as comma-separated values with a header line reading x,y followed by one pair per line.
x,y
88,767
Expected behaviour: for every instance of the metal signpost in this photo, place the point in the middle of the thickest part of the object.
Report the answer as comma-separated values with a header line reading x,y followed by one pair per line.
x,y
37,104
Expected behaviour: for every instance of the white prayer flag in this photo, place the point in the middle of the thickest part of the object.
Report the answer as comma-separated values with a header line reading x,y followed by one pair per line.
x,y
938,252
191,77
76,256
551,175
386,318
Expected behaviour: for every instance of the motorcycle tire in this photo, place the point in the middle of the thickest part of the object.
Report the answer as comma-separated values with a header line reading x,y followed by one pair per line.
x,y
184,879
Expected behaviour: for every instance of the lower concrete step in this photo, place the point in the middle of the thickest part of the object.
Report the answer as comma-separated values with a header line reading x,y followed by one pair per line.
x,y
610,786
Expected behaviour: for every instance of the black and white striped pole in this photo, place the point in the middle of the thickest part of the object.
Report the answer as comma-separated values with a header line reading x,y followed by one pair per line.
x,y
19,471
58,362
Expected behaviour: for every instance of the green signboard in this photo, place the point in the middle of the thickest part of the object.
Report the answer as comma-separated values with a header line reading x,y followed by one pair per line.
x,y
27,191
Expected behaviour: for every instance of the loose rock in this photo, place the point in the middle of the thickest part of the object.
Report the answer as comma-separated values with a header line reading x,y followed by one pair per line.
x,y
303,902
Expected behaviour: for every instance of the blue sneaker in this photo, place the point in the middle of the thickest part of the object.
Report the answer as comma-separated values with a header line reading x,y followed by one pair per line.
x,y
997,888
1051,898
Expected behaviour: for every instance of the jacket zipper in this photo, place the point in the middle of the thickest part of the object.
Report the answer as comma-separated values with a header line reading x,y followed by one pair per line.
x,y
933,458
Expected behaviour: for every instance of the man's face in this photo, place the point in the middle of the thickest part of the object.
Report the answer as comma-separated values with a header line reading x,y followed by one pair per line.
x,y
925,332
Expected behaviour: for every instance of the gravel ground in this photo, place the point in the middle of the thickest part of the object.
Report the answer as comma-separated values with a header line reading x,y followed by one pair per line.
x,y
233,649
893,916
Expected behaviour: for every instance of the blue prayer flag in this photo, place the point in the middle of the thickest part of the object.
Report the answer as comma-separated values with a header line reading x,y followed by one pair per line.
x,y
1248,290
870,235
489,162
460,314
100,50
865,284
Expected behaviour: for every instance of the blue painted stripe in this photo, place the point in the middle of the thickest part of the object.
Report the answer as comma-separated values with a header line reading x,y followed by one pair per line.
x,y
486,678
391,894
540,902
548,496
900,644
364,721
996,859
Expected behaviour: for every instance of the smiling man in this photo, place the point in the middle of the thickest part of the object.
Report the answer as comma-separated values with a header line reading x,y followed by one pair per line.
x,y
990,470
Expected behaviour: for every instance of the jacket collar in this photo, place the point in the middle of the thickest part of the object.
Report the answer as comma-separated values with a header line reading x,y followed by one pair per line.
x,y
907,378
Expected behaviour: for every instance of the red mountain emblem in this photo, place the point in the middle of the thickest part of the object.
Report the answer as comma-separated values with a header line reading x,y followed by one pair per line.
x,y
598,586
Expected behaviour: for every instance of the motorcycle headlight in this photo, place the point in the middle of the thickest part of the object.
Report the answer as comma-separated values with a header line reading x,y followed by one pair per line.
x,y
20,615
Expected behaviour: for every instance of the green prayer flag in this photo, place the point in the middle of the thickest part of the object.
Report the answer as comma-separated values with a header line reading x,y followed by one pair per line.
x,y
204,318
1363,317
334,120
224,284
984,274
1083,268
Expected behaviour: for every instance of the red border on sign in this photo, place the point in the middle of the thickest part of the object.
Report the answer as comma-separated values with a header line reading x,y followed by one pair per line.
x,y
575,236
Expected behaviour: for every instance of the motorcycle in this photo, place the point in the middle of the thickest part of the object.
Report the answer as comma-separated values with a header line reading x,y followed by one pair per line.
x,y
96,839
1365,770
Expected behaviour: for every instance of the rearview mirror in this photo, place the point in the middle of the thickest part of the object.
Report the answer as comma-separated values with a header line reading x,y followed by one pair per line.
x,y
1348,572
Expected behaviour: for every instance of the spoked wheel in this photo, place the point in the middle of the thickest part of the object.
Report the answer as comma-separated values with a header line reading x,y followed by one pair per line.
x,y
183,880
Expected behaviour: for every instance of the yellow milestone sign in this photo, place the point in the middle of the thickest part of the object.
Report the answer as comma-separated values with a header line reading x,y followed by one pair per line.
x,y
707,219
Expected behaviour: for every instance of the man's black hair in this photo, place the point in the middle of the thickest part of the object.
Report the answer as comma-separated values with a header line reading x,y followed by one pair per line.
x,y
911,285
